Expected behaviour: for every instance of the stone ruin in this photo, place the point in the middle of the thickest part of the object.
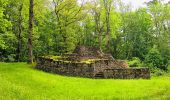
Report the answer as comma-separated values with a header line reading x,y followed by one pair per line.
x,y
92,63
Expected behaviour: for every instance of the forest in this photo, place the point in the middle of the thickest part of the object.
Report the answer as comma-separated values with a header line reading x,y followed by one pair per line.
x,y
58,26
33,28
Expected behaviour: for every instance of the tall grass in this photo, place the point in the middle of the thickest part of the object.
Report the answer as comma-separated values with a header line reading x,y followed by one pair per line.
x,y
22,82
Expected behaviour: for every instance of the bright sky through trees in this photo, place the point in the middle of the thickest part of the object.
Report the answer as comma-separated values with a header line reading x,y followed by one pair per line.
x,y
135,4
139,3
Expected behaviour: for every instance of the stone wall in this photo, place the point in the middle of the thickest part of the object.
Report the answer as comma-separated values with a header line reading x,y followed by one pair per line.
x,y
107,68
101,65
127,73
65,67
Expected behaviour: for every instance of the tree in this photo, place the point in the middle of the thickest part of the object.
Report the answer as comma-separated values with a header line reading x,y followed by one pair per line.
x,y
108,7
161,18
7,38
30,47
154,59
98,11
68,14
19,46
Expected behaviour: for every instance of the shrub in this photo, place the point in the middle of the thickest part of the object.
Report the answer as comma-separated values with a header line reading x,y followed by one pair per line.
x,y
134,62
165,52
11,58
154,59
157,72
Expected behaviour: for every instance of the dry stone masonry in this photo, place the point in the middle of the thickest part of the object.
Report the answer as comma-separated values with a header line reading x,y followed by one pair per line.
x,y
92,63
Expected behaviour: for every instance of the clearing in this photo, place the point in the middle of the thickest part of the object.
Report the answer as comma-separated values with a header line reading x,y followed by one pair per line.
x,y
22,82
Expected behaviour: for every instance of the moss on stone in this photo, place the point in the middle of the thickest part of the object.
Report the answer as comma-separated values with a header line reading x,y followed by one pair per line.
x,y
56,57
60,58
66,61
89,61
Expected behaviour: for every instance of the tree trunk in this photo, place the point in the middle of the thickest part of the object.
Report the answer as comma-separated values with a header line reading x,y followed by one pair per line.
x,y
98,28
107,5
31,17
108,36
19,47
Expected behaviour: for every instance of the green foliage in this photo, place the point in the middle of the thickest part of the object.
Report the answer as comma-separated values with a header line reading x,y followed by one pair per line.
x,y
154,59
61,25
7,38
10,58
134,62
165,53
138,37
157,72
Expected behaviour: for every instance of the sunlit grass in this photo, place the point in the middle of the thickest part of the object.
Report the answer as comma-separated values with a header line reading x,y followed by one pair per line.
x,y
21,81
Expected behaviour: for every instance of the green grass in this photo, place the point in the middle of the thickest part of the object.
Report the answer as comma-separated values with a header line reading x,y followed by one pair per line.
x,y
19,81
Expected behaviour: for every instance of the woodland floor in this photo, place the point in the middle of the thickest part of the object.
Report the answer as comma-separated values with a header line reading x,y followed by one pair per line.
x,y
21,81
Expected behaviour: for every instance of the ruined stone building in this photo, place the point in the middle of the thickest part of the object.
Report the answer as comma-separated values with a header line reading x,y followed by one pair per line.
x,y
92,63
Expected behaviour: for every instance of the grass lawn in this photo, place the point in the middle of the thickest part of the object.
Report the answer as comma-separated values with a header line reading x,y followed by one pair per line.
x,y
19,81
